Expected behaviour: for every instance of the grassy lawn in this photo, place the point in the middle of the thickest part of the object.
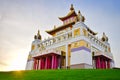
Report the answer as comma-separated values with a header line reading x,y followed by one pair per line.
x,y
72,74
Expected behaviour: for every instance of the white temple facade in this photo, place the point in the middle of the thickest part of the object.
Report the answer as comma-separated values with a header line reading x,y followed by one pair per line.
x,y
72,45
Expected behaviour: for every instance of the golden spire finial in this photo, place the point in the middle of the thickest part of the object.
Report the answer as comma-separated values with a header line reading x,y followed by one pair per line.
x,y
38,35
71,8
54,26
104,37
79,12
104,33
79,15
38,32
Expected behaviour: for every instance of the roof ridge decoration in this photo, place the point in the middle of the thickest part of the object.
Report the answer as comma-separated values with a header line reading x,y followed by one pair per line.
x,y
71,8
104,38
80,17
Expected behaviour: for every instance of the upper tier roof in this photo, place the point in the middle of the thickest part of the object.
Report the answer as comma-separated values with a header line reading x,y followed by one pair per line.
x,y
59,28
71,13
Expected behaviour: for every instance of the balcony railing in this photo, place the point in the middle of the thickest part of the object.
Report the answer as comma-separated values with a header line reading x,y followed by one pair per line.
x,y
97,42
68,35
57,39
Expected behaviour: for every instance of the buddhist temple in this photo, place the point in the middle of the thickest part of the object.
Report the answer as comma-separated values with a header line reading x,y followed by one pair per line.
x,y
72,45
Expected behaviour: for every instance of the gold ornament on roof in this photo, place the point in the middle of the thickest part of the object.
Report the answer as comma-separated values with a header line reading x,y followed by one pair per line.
x,y
80,17
104,38
54,26
71,8
38,36
38,32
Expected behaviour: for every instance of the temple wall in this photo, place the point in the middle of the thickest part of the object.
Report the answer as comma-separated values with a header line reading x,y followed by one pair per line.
x,y
29,65
81,55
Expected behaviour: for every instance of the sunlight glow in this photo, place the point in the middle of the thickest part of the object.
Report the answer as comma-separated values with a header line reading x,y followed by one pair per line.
x,y
19,62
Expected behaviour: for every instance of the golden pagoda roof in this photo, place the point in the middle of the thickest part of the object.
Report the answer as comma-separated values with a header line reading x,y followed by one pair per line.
x,y
60,27
71,13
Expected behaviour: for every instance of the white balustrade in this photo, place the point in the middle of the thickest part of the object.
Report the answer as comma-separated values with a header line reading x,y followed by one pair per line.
x,y
67,35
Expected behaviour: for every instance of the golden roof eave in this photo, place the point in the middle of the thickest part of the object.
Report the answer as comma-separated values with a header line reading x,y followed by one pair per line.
x,y
59,28
68,15
94,33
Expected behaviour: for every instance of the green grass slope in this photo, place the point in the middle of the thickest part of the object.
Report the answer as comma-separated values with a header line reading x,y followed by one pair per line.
x,y
72,74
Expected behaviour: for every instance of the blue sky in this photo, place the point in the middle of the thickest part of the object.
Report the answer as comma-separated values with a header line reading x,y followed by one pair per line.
x,y
20,20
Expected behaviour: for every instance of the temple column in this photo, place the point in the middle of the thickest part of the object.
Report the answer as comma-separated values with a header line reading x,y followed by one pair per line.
x,y
52,66
55,61
39,63
102,63
42,63
36,64
108,64
96,62
48,65
66,55
50,62
46,62
69,54
99,66
105,64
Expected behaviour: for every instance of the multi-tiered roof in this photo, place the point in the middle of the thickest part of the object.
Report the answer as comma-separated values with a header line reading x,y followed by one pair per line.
x,y
71,18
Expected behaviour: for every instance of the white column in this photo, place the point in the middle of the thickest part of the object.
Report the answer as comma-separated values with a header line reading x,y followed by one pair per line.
x,y
39,64
66,55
